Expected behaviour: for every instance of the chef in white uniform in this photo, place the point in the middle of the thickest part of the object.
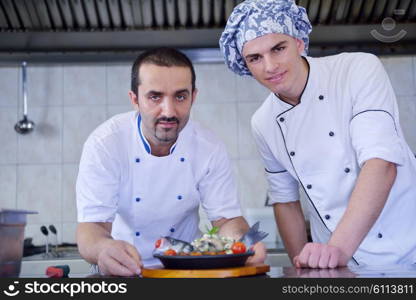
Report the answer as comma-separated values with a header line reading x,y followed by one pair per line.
x,y
331,127
144,174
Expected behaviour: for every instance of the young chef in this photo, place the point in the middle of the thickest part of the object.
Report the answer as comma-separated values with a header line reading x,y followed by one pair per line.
x,y
143,174
331,126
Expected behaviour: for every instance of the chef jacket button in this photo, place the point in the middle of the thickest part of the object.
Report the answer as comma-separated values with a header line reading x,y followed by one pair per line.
x,y
182,159
331,133
179,197
347,170
379,235
309,186
137,160
172,229
321,97
327,217
282,119
138,199
137,233
292,153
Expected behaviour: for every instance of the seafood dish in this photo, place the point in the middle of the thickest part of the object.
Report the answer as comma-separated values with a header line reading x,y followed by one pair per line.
x,y
209,251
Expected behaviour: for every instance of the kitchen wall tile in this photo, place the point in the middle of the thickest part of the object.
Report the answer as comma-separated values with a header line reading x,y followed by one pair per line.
x,y
85,85
215,83
39,189
401,73
249,90
9,86
118,84
113,110
8,186
253,185
246,145
32,230
38,238
8,136
79,122
69,205
221,118
44,143
45,86
69,233
407,111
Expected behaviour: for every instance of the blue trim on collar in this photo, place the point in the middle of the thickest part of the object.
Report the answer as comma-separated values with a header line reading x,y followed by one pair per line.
x,y
145,143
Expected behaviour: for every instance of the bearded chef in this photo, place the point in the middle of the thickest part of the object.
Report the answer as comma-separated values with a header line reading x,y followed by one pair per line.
x,y
331,127
144,174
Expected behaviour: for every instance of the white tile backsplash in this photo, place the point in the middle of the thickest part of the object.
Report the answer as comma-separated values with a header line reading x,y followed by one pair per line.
x,y
8,136
246,144
221,118
401,72
69,205
68,233
249,90
85,85
67,102
215,83
8,186
44,143
113,110
407,111
79,122
118,84
252,183
9,86
39,189
44,86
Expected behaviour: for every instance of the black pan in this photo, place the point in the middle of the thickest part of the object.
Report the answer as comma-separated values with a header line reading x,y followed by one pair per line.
x,y
204,261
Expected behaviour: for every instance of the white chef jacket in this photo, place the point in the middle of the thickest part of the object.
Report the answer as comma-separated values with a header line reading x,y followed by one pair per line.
x,y
347,115
145,196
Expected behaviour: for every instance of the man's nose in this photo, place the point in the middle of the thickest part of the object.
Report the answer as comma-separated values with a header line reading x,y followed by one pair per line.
x,y
270,64
168,107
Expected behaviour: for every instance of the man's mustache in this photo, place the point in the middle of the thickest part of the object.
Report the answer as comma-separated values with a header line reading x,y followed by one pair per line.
x,y
165,119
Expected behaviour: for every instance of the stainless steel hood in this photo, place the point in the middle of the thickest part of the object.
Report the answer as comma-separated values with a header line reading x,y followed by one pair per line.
x,y
93,29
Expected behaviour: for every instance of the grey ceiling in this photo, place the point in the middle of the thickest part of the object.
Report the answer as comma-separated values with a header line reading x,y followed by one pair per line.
x,y
118,25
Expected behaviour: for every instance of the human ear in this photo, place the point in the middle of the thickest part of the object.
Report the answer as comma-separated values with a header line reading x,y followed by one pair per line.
x,y
134,99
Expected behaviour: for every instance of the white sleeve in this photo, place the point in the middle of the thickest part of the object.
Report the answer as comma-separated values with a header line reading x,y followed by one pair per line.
x,y
374,122
97,186
283,187
217,188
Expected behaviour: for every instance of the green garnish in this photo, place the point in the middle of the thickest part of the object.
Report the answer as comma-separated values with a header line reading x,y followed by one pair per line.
x,y
213,230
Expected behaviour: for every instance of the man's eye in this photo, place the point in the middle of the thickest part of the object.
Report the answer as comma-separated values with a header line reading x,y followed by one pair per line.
x,y
154,97
278,49
181,97
253,59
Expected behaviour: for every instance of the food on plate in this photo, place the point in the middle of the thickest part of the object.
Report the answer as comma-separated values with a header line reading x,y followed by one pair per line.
x,y
211,243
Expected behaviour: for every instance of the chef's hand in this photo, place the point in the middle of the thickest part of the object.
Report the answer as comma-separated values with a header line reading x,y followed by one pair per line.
x,y
259,254
119,258
315,255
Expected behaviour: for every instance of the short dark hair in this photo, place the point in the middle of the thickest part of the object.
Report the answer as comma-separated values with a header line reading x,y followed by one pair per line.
x,y
164,57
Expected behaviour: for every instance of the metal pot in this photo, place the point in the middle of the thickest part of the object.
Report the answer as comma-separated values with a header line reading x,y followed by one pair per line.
x,y
12,229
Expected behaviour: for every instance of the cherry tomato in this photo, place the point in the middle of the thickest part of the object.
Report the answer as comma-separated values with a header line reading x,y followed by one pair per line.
x,y
238,247
169,252
158,243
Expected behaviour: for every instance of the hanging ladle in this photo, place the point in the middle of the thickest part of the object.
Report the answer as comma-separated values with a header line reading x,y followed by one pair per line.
x,y
25,125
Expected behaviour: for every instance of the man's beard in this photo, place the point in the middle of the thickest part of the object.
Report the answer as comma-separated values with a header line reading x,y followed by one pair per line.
x,y
168,135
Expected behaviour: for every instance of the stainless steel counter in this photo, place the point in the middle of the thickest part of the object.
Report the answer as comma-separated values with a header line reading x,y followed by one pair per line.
x,y
391,271
278,261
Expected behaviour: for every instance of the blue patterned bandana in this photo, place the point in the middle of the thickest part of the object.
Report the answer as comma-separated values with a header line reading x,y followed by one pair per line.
x,y
255,18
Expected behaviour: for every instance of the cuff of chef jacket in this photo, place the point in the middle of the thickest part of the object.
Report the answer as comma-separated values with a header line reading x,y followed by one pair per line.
x,y
226,214
374,135
96,215
283,188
